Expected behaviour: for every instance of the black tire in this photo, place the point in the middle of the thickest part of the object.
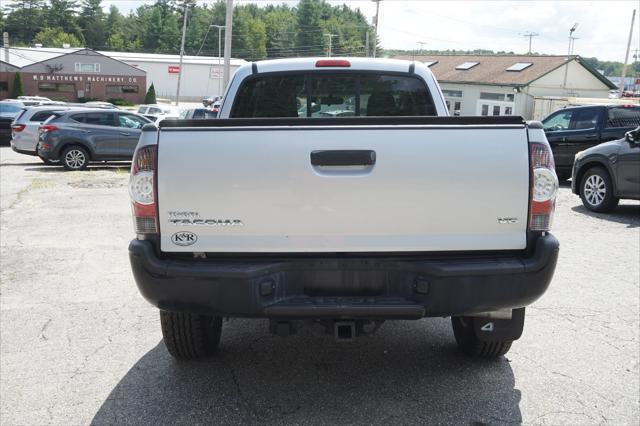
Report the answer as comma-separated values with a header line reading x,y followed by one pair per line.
x,y
469,343
596,191
50,162
190,336
74,158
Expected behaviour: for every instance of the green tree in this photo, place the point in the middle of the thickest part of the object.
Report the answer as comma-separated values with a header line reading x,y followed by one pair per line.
x,y
150,98
250,35
280,28
24,19
62,14
56,37
92,23
17,89
309,39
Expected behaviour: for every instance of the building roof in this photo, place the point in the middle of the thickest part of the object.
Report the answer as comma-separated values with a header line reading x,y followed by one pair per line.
x,y
492,69
21,57
173,59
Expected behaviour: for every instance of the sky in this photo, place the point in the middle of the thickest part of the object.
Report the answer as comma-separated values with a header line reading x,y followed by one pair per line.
x,y
603,26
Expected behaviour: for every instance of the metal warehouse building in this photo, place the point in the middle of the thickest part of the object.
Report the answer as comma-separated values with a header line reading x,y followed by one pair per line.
x,y
201,77
509,85
70,74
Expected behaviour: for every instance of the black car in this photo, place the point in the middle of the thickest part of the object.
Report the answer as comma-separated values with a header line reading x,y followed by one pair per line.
x,y
575,129
76,137
8,111
605,173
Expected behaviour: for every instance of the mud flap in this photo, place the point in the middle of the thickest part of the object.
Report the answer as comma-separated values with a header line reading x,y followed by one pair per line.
x,y
498,330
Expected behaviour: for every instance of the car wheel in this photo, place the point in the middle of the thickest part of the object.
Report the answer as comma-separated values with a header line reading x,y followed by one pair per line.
x,y
75,158
596,191
190,336
471,345
50,162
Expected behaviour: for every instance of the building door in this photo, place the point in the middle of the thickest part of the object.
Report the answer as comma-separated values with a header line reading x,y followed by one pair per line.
x,y
494,108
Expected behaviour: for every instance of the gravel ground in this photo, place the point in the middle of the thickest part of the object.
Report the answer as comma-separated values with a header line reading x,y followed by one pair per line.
x,y
79,345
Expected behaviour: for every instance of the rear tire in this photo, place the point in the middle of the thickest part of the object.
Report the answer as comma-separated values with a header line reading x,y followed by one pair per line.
x,y
596,191
190,336
75,158
471,345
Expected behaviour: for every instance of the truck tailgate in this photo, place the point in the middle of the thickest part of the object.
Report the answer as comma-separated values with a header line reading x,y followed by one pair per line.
x,y
255,189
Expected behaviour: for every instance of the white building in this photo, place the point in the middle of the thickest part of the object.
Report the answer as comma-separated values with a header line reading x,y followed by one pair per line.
x,y
508,85
201,76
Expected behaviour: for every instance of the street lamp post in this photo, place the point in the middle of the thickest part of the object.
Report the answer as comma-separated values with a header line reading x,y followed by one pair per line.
x,y
220,28
569,52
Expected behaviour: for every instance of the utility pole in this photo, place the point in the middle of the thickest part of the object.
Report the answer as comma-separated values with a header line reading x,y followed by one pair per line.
x,y
531,35
626,56
220,28
366,44
375,27
227,42
331,36
184,33
421,43
566,68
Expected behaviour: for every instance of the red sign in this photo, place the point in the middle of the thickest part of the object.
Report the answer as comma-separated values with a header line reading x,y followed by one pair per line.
x,y
637,80
174,69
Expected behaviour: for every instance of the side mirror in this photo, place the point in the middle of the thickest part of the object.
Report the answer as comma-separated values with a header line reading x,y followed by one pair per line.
x,y
632,136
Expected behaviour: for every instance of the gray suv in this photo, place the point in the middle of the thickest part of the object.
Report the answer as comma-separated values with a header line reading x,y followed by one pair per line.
x,y
79,136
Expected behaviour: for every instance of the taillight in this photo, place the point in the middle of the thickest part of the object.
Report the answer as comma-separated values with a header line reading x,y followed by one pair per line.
x,y
142,189
332,63
46,128
544,187
17,128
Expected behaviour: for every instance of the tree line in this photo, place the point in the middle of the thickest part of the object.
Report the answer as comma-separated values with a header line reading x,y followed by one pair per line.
x,y
272,31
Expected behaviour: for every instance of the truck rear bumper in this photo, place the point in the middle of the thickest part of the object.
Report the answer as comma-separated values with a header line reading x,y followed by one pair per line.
x,y
372,287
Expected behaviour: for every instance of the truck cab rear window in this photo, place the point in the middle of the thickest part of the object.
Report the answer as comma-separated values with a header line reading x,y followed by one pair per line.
x,y
332,95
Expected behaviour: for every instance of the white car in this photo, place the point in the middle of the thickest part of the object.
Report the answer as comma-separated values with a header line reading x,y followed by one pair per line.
x,y
158,112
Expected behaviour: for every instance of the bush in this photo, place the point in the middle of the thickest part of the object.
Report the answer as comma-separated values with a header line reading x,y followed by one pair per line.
x,y
120,102
84,99
151,95
17,89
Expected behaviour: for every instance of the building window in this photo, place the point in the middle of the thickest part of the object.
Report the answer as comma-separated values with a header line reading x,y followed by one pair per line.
x,y
87,67
4,86
452,93
519,66
466,66
56,87
122,89
492,96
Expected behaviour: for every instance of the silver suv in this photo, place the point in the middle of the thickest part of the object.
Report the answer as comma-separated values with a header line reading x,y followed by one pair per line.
x,y
24,129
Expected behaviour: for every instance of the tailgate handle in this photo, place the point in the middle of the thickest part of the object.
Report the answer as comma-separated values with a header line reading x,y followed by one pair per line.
x,y
343,158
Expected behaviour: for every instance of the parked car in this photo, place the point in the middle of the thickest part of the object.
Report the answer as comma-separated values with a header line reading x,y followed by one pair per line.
x,y
604,174
198,113
575,129
399,212
211,100
25,128
100,104
9,109
78,136
156,112
34,98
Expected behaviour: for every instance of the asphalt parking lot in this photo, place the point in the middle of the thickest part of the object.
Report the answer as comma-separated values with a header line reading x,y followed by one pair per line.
x,y
79,345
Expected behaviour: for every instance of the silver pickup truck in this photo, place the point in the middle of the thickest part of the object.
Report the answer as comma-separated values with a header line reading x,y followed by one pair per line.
x,y
339,192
